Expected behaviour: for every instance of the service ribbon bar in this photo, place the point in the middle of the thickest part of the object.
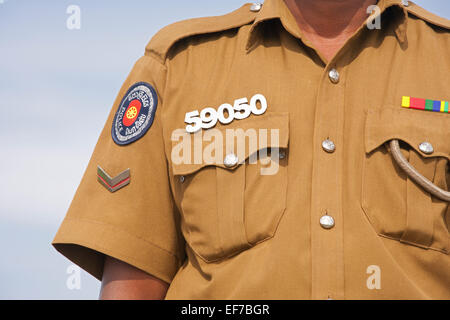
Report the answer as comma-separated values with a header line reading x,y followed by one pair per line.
x,y
425,104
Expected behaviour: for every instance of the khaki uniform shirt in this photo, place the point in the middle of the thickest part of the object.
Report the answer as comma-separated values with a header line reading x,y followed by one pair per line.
x,y
338,218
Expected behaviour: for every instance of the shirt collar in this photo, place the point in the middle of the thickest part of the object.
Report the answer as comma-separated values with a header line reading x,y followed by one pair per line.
x,y
401,26
277,9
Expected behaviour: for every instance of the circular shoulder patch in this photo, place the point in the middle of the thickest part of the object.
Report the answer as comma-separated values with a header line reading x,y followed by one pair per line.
x,y
135,115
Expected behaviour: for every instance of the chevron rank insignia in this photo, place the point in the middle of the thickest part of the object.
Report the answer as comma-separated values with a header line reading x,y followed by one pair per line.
x,y
425,104
113,184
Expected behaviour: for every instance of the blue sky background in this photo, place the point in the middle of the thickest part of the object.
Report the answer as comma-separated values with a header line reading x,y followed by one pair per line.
x,y
56,89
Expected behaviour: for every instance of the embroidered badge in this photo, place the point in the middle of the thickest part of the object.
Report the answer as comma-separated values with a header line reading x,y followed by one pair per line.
x,y
135,115
113,184
425,104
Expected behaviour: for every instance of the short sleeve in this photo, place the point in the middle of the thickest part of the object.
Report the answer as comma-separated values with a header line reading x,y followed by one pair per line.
x,y
139,223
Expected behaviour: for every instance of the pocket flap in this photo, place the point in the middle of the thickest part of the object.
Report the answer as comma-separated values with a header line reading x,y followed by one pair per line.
x,y
243,138
410,126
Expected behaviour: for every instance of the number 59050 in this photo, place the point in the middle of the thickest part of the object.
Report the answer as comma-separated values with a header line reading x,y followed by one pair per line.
x,y
226,113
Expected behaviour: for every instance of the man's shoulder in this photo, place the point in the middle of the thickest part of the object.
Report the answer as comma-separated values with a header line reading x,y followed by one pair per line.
x,y
160,45
417,11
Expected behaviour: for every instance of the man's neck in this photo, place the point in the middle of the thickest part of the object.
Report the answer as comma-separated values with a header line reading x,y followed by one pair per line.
x,y
328,24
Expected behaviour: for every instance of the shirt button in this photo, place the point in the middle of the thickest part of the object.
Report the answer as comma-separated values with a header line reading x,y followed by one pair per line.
x,y
327,222
426,148
256,7
182,179
334,76
329,146
231,160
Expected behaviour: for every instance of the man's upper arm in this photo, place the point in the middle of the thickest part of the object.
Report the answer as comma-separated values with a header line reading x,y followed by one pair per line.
x,y
124,282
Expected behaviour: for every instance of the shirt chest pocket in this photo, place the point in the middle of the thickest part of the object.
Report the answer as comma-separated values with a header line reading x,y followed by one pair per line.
x,y
236,201
396,206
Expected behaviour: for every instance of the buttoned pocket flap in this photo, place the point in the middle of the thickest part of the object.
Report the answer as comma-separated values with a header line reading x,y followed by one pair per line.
x,y
242,138
413,127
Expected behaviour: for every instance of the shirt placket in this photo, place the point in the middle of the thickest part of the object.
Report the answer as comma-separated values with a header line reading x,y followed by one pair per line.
x,y
326,205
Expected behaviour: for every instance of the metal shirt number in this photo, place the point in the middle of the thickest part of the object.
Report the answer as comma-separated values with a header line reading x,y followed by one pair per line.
x,y
225,114
243,109
208,117
193,118
262,100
